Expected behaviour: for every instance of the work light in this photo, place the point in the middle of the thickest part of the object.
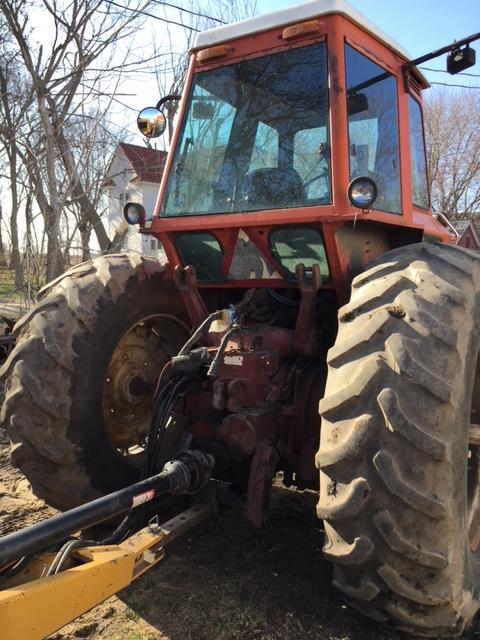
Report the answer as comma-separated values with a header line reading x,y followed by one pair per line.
x,y
134,213
362,192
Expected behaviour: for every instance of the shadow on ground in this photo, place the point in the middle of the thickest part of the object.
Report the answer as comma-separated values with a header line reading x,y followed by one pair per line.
x,y
228,582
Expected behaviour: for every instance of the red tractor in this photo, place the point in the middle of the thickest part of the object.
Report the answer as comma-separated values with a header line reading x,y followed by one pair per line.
x,y
304,268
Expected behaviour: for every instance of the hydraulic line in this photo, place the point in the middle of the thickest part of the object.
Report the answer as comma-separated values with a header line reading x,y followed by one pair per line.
x,y
283,299
200,331
177,476
162,410
62,556
14,567
215,365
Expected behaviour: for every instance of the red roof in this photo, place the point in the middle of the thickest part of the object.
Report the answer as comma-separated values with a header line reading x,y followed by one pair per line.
x,y
147,163
469,236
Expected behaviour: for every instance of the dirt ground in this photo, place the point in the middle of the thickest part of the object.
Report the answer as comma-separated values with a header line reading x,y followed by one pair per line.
x,y
224,581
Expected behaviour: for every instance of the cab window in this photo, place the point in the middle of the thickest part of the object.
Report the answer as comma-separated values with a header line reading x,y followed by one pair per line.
x,y
418,161
373,127
255,136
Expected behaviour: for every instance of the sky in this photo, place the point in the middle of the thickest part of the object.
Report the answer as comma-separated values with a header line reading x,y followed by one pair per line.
x,y
420,26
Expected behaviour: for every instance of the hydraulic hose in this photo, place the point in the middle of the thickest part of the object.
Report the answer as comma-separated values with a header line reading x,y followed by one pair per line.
x,y
200,331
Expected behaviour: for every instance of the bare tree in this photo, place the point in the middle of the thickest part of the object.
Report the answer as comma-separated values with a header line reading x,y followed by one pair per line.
x,y
196,16
15,100
452,119
3,260
83,32
55,137
92,143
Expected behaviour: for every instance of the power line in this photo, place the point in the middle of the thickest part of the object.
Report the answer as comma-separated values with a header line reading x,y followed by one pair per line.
x,y
462,86
151,15
193,13
111,96
122,66
461,73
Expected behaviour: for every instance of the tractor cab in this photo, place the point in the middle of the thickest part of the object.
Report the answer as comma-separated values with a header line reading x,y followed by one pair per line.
x,y
299,141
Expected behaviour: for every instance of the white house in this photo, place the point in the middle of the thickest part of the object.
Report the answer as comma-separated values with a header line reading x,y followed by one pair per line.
x,y
134,175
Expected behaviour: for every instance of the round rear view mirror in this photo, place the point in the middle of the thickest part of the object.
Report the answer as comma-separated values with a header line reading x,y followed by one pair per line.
x,y
151,122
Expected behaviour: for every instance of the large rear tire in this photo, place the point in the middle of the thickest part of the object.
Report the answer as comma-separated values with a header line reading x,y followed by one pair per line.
x,y
399,479
76,427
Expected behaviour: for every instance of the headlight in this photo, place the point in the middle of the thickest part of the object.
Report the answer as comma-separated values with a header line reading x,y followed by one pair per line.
x,y
134,213
362,192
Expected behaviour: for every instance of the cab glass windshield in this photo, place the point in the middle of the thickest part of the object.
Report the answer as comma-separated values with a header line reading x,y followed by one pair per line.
x,y
255,137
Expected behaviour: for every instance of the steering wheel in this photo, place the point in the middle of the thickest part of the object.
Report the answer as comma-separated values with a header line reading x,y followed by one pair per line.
x,y
319,199
315,178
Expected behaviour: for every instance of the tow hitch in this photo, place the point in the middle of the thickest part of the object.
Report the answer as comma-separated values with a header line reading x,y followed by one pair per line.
x,y
84,573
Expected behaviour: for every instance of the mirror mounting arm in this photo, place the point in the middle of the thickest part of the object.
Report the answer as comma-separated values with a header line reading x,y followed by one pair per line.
x,y
449,48
169,98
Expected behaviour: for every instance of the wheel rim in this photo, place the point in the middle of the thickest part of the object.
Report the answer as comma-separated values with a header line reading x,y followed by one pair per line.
x,y
473,469
131,379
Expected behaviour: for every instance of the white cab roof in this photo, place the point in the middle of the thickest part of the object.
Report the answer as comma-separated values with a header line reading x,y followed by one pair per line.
x,y
291,15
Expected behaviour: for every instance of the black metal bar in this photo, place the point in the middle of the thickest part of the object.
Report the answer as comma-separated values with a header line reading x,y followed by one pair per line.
x,y
446,49
175,478
169,98
369,83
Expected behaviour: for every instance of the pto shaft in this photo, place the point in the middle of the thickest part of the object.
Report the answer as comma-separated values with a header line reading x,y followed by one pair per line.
x,y
186,475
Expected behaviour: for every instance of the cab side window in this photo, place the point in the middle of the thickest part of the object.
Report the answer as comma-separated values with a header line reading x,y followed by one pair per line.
x,y
417,156
373,128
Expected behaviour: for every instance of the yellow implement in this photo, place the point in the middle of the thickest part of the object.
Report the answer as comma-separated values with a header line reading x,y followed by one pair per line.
x,y
32,606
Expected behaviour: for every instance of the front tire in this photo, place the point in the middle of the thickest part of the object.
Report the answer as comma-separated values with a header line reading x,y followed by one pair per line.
x,y
76,429
398,490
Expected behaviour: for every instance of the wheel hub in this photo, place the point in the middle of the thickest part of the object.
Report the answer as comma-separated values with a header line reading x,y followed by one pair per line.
x,y
135,367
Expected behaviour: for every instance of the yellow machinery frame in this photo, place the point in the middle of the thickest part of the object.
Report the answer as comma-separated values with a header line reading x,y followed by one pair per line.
x,y
32,606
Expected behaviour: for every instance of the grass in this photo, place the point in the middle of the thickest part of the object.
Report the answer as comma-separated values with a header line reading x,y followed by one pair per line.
x,y
7,281
8,292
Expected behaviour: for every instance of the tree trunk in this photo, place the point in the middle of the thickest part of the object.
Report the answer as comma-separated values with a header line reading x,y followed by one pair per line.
x,y
118,239
88,210
3,259
15,257
85,233
55,263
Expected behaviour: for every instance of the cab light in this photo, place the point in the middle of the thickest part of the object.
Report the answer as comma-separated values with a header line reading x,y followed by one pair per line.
x,y
134,213
302,29
213,52
362,192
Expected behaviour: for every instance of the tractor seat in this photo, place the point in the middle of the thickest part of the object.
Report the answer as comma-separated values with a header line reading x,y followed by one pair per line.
x,y
272,188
